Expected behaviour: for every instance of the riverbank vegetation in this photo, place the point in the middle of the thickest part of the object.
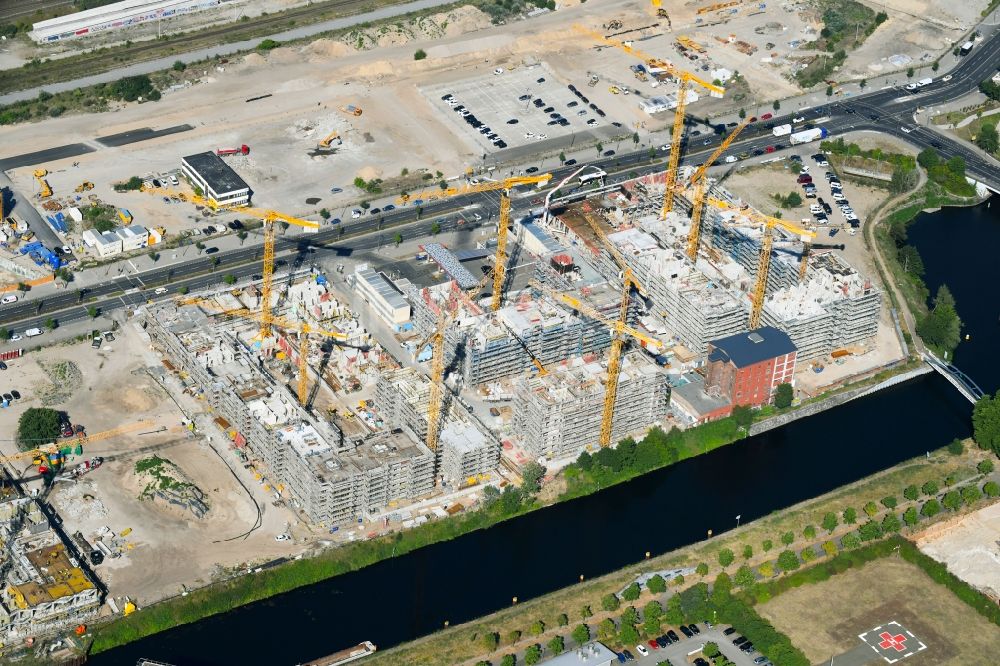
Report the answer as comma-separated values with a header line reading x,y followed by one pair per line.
x,y
842,529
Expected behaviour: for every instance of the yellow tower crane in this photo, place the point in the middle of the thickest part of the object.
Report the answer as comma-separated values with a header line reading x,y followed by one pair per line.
x,y
700,184
269,217
301,327
37,452
685,79
619,329
503,186
437,340
767,242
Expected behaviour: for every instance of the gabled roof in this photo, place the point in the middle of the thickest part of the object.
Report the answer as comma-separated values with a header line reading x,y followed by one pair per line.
x,y
752,347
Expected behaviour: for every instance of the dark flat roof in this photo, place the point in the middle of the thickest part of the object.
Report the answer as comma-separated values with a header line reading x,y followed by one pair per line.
x,y
219,175
746,349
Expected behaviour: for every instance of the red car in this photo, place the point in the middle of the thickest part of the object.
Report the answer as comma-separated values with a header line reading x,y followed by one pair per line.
x,y
769,149
766,116
805,178
653,644
753,119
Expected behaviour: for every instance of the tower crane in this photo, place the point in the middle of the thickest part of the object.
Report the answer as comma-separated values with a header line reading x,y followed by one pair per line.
x,y
39,453
503,186
437,340
700,184
302,328
684,79
619,329
269,217
767,242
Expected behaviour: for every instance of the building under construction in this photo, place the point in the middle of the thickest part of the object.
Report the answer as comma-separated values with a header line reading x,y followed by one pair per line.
x,y
559,414
466,449
333,478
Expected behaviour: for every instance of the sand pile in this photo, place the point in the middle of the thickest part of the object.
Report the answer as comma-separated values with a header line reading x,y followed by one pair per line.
x,y
324,49
369,173
436,26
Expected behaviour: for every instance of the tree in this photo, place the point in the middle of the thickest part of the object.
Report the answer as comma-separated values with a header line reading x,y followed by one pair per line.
x,y
985,467
829,91
532,473
556,645
600,148
890,523
4,334
910,516
911,492
870,531
607,628
635,138
37,426
862,83
50,324
850,516
674,613
971,494
64,274
744,576
242,235
929,488
809,532
419,54
871,508
930,508
830,522
776,105
987,139
788,560
23,287
628,634
830,548
928,158
710,650
742,416
808,554
909,73
991,489
742,114
489,641
701,569
656,584
631,593
585,612
324,213
92,312
952,500
610,602
889,502
179,66
767,545
903,179
726,557
581,634
747,551
562,157
199,246
787,538
397,239
508,660
783,395
537,628
533,654
766,570
986,423
182,290
850,541
229,279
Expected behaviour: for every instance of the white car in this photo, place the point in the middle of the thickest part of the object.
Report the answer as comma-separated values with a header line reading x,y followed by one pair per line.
x,y
642,649
946,77
160,290
799,119
911,86
355,214
540,137
822,163
9,298
906,129
498,71
282,537
15,337
804,168
173,180
665,147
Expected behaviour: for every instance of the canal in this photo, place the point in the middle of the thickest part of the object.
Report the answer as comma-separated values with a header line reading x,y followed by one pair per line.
x,y
959,246
410,596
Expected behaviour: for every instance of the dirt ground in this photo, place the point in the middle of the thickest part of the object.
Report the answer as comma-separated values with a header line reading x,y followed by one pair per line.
x,y
970,546
824,619
109,388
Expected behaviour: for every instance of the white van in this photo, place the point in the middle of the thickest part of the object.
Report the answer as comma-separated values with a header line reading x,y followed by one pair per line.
x,y
9,298
32,332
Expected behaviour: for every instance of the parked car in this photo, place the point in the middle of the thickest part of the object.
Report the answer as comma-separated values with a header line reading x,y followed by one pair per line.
x,y
767,116
641,649
16,394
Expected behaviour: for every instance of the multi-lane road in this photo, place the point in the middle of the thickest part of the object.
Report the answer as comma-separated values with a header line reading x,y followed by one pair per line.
x,y
885,111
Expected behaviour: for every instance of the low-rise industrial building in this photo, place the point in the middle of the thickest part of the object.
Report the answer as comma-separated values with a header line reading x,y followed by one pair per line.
x,y
116,16
133,237
105,244
746,368
690,399
384,297
220,184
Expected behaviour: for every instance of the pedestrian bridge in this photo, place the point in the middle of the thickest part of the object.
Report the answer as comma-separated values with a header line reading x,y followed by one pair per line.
x,y
956,377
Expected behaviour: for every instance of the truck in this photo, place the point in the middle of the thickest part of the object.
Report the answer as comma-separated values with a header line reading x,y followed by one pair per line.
x,y
782,130
239,150
32,332
925,82
966,48
805,136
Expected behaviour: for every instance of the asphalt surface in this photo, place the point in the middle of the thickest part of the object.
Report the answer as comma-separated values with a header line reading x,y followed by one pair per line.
x,y
141,134
47,155
883,111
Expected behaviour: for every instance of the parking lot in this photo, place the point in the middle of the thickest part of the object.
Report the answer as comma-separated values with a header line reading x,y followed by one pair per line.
x,y
542,107
687,650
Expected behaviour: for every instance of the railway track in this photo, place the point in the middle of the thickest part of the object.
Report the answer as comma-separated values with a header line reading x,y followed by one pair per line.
x,y
97,62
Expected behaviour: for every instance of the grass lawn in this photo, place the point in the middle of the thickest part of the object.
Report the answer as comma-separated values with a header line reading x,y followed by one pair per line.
x,y
824,619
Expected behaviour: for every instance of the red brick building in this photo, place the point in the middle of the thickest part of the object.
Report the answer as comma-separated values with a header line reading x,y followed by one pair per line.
x,y
746,368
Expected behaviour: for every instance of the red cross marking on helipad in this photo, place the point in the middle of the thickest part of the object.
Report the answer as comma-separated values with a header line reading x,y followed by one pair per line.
x,y
889,641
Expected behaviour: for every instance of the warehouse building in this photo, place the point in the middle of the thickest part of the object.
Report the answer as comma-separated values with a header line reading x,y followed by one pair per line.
x,y
746,368
221,185
116,16
104,243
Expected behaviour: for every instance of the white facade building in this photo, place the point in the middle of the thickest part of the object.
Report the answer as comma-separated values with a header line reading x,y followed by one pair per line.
x,y
217,180
105,244
113,17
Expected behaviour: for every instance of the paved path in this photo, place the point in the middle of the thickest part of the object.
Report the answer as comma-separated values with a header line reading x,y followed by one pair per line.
x,y
226,49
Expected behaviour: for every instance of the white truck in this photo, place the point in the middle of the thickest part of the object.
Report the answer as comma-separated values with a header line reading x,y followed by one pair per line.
x,y
32,332
805,136
782,130
925,82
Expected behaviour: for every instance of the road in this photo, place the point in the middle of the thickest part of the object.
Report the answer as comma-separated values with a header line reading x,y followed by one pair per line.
x,y
883,111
